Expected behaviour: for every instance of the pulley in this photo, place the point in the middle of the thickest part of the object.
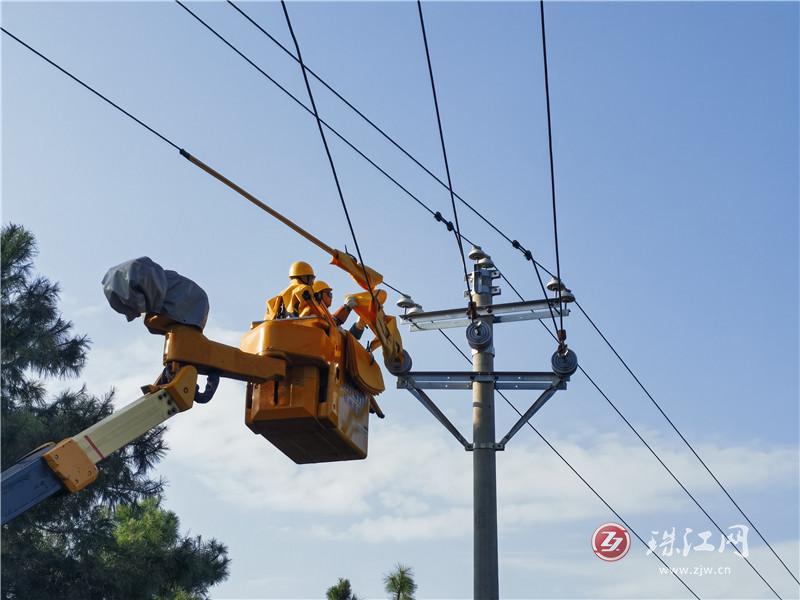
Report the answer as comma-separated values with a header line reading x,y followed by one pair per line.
x,y
564,363
401,367
479,335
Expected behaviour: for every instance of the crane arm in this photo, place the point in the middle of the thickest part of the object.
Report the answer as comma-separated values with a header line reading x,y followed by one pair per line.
x,y
71,464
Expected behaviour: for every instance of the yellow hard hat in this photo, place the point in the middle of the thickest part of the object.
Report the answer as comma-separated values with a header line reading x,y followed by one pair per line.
x,y
321,286
300,269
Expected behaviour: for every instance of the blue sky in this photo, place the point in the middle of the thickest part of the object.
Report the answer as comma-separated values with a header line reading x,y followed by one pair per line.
x,y
676,150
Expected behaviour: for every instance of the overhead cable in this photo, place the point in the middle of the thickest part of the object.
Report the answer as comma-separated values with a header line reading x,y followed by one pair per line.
x,y
552,173
444,153
435,214
575,471
91,89
328,152
527,254
438,217
685,441
514,243
654,453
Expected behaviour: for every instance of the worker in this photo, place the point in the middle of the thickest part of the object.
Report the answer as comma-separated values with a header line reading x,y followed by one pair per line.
x,y
298,297
365,306
323,293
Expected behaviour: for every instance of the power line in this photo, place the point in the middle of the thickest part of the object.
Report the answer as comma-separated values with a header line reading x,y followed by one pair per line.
x,y
435,214
438,217
685,441
514,243
575,471
444,153
328,151
526,253
91,89
653,452
552,171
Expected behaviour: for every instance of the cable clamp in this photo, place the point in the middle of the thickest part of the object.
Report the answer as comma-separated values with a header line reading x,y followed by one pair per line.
x,y
472,311
526,253
449,224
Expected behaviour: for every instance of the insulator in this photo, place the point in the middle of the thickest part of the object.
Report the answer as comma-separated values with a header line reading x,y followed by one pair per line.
x,y
555,284
405,301
477,253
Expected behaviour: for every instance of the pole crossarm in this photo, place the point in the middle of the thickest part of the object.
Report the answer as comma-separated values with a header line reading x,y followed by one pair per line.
x,y
499,313
464,380
407,383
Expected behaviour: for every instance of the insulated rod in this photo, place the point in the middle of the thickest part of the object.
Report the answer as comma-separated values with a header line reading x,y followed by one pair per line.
x,y
241,191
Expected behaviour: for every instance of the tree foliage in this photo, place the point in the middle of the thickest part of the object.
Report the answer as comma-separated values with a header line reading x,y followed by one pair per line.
x,y
399,584
341,591
111,540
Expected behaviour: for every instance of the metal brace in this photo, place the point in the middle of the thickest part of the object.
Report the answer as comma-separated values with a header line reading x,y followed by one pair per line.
x,y
485,446
499,313
463,380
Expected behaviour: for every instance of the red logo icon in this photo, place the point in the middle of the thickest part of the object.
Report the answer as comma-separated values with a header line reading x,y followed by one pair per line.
x,y
611,542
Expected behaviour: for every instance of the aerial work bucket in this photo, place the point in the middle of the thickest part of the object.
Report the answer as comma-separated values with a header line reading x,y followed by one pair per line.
x,y
320,411
310,384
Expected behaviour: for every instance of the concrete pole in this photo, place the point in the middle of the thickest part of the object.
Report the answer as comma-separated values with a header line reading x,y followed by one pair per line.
x,y
484,473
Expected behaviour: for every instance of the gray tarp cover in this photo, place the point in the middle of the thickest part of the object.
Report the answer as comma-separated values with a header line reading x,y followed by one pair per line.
x,y
141,286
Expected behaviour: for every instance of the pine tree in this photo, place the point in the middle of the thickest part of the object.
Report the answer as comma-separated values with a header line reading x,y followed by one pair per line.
x,y
90,544
341,591
399,584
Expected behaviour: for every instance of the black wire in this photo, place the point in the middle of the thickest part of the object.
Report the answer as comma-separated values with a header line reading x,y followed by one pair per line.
x,y
329,127
678,481
391,287
650,448
566,462
526,253
552,170
685,441
394,142
328,151
596,493
91,89
444,149
168,141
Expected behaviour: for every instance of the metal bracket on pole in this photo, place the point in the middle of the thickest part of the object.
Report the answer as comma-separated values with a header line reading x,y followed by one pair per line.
x,y
406,382
499,313
539,403
503,380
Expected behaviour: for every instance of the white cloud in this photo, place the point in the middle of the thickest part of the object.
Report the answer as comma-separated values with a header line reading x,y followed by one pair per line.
x,y
417,483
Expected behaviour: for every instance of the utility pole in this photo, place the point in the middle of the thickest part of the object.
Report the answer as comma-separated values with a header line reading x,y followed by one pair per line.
x,y
484,467
483,380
